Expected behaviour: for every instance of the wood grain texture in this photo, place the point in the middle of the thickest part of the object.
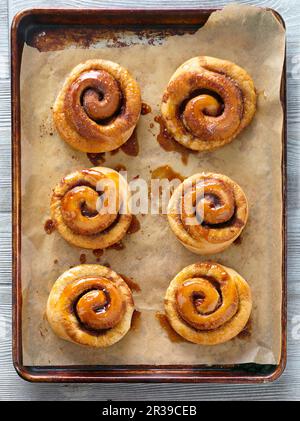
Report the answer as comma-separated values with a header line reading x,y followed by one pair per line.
x,y
288,386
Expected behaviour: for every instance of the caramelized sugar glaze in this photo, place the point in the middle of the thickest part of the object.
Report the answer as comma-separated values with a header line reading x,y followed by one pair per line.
x,y
90,305
207,212
207,303
207,103
87,217
98,107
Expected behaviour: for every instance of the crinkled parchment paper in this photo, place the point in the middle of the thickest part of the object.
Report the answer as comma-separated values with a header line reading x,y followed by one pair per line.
x,y
248,36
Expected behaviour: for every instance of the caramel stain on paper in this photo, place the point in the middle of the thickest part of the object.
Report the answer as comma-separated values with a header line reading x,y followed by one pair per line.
x,y
146,109
106,264
117,246
131,283
165,324
247,331
96,158
131,147
238,241
98,253
136,320
169,144
134,226
166,172
49,226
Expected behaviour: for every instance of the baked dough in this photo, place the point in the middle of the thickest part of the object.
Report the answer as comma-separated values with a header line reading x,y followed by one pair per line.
x,y
90,305
75,208
208,304
207,212
208,102
98,107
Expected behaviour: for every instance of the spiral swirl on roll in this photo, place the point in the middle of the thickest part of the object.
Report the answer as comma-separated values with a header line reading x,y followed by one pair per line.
x,y
90,208
208,102
207,303
207,212
90,305
98,106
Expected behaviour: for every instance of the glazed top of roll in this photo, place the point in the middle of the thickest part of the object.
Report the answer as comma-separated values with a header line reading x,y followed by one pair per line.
x,y
207,102
91,305
208,299
90,207
98,302
98,106
209,206
208,303
85,210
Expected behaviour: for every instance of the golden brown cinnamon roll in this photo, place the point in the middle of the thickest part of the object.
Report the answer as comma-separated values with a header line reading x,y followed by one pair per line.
x,y
90,305
207,212
208,304
90,208
98,106
208,102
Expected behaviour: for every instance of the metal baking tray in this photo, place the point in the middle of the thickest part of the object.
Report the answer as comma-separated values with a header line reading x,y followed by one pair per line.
x,y
50,29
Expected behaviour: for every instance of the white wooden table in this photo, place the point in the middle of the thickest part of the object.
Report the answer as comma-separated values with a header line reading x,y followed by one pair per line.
x,y
288,386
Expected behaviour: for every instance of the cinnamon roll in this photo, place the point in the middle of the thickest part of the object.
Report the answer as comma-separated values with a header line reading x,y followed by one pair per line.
x,y
207,212
208,102
90,208
90,305
207,303
98,106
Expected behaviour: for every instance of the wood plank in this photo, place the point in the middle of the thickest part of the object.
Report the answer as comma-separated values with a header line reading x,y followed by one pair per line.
x,y
5,170
5,248
4,54
4,101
